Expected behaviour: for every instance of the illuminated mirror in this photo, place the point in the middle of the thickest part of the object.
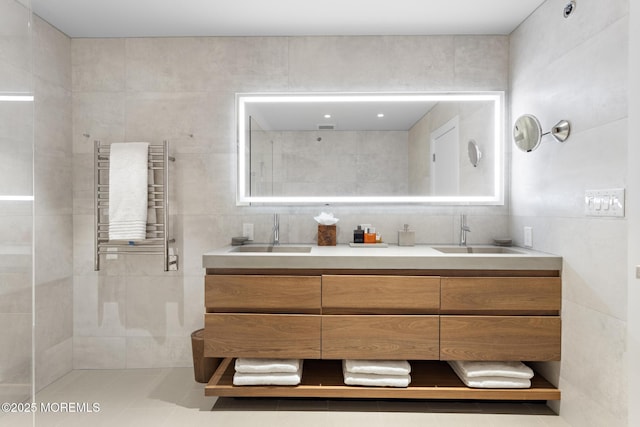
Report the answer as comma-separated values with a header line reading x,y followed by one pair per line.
x,y
320,148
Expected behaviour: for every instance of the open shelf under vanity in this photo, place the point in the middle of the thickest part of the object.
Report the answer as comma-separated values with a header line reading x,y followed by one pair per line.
x,y
324,379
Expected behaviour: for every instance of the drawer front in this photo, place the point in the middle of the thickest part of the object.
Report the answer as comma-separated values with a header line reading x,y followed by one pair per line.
x,y
524,338
262,335
262,294
380,294
501,295
380,337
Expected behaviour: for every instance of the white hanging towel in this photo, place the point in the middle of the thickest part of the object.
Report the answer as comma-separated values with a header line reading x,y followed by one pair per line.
x,y
128,190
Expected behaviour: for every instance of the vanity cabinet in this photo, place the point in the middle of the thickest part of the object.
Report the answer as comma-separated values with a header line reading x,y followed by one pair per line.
x,y
500,295
262,294
380,337
380,317
367,294
262,316
427,317
498,318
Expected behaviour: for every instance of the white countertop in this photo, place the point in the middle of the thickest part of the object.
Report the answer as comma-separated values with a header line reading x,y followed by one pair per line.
x,y
419,257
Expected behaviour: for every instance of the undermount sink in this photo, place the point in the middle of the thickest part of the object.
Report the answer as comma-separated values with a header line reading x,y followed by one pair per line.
x,y
476,250
271,248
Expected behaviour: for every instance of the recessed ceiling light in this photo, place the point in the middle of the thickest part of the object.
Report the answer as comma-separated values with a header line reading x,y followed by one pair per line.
x,y
380,115
327,116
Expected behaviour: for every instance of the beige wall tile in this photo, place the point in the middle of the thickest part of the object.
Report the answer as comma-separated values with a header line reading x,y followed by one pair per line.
x,y
53,362
15,352
99,306
584,82
384,63
159,352
182,89
54,248
481,62
99,352
15,43
97,116
52,54
98,65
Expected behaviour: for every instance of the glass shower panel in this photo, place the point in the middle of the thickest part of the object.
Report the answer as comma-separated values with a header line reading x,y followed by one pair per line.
x,y
16,201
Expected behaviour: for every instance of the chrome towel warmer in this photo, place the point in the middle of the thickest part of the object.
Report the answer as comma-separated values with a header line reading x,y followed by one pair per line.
x,y
157,236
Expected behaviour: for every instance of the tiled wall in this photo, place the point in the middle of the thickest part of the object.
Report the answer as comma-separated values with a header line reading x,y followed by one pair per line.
x,y
132,314
633,218
53,204
576,69
16,217
35,147
326,163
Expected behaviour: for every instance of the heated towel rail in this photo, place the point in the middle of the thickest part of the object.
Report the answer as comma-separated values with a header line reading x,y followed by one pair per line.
x,y
157,234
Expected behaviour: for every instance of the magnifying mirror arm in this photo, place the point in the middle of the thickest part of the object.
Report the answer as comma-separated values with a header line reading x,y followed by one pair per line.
x,y
560,131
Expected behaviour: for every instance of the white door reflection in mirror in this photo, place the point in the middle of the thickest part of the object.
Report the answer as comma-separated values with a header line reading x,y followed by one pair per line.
x,y
445,149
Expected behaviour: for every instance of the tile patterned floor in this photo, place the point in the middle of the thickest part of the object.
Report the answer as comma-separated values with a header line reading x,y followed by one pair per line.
x,y
170,397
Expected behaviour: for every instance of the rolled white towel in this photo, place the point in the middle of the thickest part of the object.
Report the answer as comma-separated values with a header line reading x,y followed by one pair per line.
x,y
475,369
377,367
261,366
491,381
269,378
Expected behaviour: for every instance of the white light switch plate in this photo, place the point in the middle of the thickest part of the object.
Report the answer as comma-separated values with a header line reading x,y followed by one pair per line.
x,y
609,202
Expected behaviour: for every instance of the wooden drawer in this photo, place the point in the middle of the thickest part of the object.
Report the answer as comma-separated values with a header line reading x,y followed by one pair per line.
x,y
501,295
524,338
262,294
380,337
380,294
262,335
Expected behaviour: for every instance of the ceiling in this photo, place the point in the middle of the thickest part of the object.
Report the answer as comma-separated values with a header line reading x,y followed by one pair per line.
x,y
175,18
344,116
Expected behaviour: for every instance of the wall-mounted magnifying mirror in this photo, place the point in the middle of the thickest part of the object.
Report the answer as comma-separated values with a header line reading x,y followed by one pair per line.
x,y
474,153
527,132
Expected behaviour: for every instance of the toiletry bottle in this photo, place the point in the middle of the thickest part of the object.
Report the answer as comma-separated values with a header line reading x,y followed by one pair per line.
x,y
406,237
370,235
358,235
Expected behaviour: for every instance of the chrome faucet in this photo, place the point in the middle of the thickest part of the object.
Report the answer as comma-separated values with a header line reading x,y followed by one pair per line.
x,y
276,229
464,228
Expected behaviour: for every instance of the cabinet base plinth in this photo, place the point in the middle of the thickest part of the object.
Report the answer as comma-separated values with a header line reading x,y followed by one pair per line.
x,y
429,380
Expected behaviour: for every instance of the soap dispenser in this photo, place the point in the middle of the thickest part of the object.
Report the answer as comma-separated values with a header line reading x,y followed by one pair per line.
x,y
406,237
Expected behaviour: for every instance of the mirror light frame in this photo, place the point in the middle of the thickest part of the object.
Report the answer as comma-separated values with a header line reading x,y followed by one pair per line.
x,y
497,198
